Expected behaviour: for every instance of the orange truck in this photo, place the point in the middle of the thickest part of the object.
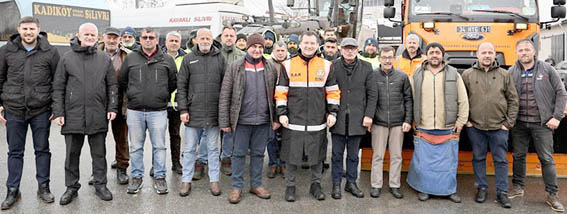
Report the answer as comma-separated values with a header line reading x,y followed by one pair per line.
x,y
460,26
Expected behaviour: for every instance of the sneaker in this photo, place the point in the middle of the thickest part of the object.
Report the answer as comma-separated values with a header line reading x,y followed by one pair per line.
x,y
553,202
160,185
121,176
177,168
134,185
516,191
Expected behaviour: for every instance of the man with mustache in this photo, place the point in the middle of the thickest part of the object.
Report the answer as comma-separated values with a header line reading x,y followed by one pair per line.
x,y
411,58
84,100
198,92
27,66
330,49
128,38
440,109
542,102
493,104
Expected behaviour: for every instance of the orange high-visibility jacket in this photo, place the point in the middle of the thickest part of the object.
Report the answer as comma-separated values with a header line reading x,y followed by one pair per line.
x,y
407,65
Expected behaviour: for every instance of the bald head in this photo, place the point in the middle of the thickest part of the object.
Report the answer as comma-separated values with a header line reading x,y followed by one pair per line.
x,y
204,40
486,54
88,34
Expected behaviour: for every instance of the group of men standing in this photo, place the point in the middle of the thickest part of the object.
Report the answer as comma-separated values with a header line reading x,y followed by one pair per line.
x,y
249,97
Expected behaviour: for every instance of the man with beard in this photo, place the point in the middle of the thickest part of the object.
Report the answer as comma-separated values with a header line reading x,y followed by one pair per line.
x,y
542,102
148,77
128,35
198,91
493,104
411,58
440,109
87,110
27,65
292,42
269,38
275,164
307,101
370,53
330,50
111,45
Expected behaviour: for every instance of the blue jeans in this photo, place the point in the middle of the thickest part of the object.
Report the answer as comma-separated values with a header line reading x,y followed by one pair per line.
x,y
255,138
351,143
203,151
16,129
156,123
274,150
497,140
227,145
210,139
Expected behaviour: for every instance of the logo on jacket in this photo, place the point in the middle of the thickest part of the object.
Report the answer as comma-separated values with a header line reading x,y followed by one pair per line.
x,y
295,74
320,75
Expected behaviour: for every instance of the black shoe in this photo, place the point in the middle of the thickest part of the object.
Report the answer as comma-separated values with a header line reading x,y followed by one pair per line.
x,y
316,192
103,193
121,176
354,190
134,186
336,193
44,193
423,196
325,165
68,196
91,180
290,193
481,195
12,197
177,168
455,198
152,172
503,200
305,165
396,193
375,192
114,164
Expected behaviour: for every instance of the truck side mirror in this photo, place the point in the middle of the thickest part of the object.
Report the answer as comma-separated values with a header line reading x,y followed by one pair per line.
x,y
390,12
559,2
290,3
388,3
558,12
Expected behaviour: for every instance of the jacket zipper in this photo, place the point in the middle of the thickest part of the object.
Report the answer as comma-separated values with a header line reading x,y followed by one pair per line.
x,y
388,91
307,91
434,103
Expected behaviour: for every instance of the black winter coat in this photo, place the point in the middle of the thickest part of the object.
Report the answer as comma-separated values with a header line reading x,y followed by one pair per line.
x,y
358,96
148,84
199,85
85,90
395,100
26,77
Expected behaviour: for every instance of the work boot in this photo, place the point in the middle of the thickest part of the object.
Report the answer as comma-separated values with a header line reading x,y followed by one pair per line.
x,y
68,196
261,192
481,195
103,193
44,193
316,191
354,190
455,198
199,171
290,193
423,196
12,197
396,193
185,189
336,193
375,192
226,166
134,186
177,168
91,180
114,164
503,200
160,185
235,196
553,202
272,172
516,191
215,188
121,176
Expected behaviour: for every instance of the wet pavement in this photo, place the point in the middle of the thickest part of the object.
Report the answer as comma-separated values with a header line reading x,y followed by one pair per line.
x,y
201,201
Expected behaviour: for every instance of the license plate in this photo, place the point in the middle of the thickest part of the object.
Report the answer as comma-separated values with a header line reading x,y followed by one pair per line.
x,y
473,29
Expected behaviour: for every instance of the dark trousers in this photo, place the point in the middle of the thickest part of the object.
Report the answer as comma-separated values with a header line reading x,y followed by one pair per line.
x,y
255,139
352,145
120,133
174,137
542,138
74,144
497,140
274,150
16,130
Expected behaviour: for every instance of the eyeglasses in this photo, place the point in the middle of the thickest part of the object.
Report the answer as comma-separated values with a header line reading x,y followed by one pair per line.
x,y
148,37
387,58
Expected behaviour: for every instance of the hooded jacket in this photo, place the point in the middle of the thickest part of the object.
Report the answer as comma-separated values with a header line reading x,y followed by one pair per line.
x,y
26,77
84,90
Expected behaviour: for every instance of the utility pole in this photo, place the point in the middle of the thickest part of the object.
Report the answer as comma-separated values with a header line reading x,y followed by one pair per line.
x,y
317,8
355,21
271,7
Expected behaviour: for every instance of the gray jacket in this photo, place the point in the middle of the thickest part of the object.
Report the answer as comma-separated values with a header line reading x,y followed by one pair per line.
x,y
548,89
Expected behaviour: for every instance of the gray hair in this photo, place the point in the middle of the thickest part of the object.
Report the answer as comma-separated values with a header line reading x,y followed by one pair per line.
x,y
413,36
202,30
280,44
88,24
486,43
173,33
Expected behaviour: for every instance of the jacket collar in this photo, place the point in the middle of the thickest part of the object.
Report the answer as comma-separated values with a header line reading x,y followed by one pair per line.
x,y
15,43
495,65
406,55
76,47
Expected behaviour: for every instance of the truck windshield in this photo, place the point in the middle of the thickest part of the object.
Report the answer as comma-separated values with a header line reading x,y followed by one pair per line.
x,y
473,10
